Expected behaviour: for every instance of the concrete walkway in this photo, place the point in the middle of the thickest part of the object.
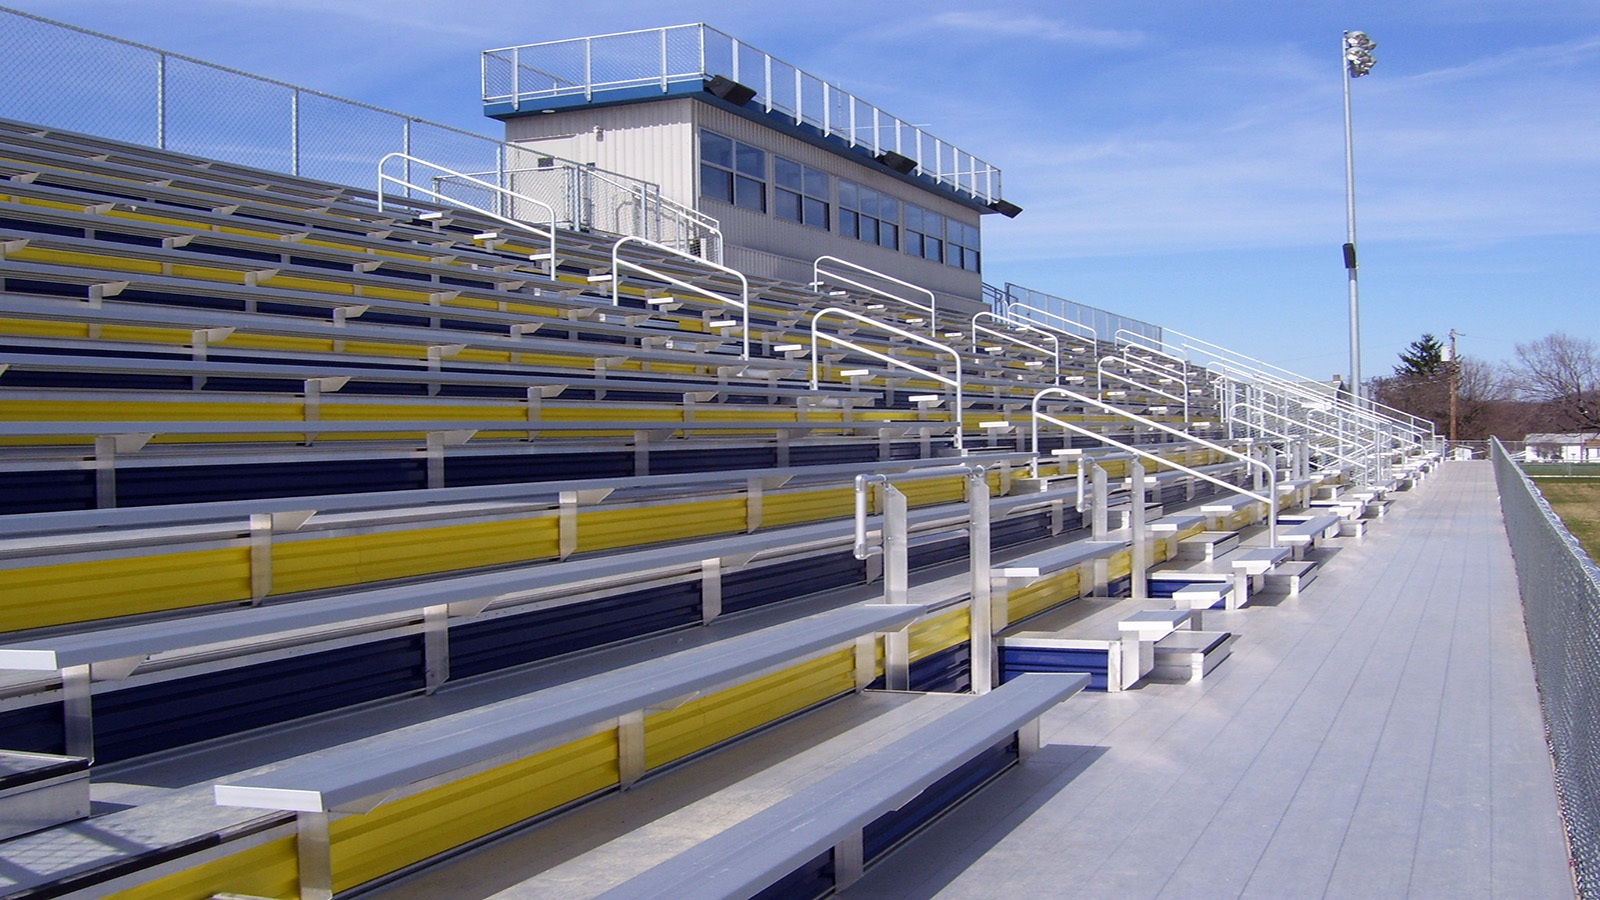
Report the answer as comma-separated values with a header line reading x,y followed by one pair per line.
x,y
1378,736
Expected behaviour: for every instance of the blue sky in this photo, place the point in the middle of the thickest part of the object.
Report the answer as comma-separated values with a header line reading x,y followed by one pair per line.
x,y
1177,162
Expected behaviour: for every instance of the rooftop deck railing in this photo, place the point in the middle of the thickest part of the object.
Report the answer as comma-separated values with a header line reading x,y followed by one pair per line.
x,y
656,59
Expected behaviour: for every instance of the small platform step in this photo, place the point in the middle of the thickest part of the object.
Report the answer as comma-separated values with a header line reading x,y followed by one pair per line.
x,y
1292,576
1208,545
41,790
1186,657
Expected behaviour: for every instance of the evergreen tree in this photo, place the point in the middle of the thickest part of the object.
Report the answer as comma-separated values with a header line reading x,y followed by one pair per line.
x,y
1424,357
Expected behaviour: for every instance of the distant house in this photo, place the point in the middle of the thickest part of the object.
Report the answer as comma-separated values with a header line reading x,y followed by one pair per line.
x,y
1562,447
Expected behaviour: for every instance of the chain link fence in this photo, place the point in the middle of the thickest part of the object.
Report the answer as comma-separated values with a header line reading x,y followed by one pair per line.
x,y
63,77
1560,587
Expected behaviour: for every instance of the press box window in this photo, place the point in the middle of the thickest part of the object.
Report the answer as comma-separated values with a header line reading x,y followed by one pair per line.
x,y
800,193
867,215
924,233
733,172
961,245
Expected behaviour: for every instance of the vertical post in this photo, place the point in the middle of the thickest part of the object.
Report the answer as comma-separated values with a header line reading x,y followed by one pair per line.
x,y
161,101
314,846
588,69
1455,383
1136,528
981,612
77,709
1350,232
663,60
896,645
294,132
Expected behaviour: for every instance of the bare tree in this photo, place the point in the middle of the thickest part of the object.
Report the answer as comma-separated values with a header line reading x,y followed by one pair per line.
x,y
1481,399
1562,373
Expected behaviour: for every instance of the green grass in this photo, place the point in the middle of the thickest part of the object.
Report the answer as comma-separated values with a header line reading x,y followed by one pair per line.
x,y
1577,502
1535,470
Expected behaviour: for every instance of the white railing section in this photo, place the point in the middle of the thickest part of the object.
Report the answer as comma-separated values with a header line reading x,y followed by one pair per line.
x,y
817,273
1051,354
618,264
1363,453
1269,372
532,75
1103,321
1271,471
954,383
501,195
1059,324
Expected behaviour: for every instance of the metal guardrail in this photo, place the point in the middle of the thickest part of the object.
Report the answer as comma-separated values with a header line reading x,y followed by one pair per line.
x,y
1051,353
818,273
498,196
742,303
1099,321
1270,498
956,383
1560,587
655,59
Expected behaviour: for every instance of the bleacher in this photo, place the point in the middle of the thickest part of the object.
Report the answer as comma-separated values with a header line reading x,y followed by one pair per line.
x,y
373,532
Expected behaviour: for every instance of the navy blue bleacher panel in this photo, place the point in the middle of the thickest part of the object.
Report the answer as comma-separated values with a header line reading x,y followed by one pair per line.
x,y
1120,587
33,729
889,829
158,485
497,643
1031,527
466,471
677,462
1015,661
167,714
832,454
812,880
933,552
26,492
948,671
759,586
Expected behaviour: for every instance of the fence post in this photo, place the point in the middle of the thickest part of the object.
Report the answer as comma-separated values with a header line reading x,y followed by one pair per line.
x,y
161,101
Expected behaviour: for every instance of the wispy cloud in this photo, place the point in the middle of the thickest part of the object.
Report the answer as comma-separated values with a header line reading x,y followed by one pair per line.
x,y
993,24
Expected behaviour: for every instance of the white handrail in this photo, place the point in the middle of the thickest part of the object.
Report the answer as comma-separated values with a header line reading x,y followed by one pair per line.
x,y
384,177
1272,472
1245,362
618,263
816,361
1054,354
1342,444
930,309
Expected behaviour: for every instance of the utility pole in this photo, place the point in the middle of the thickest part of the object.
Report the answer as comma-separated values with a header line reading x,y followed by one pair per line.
x,y
1455,383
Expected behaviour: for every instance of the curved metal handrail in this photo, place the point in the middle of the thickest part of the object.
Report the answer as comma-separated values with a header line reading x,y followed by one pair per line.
x,y
618,263
840,340
1272,473
384,177
931,309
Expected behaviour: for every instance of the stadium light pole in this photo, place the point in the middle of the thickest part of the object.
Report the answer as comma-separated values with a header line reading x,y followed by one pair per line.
x,y
1358,61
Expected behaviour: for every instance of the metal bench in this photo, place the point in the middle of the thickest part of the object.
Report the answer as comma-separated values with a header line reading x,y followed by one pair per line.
x,y
1090,559
1304,533
359,777
829,828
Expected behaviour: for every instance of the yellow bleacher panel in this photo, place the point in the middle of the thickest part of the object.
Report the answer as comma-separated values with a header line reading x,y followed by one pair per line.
x,y
940,632
1042,594
609,529
709,720
1120,565
340,561
101,589
270,870
411,829
794,508
41,328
